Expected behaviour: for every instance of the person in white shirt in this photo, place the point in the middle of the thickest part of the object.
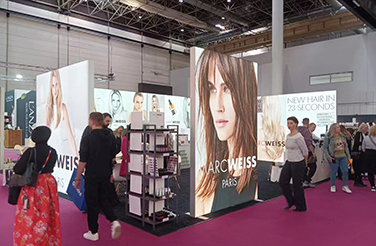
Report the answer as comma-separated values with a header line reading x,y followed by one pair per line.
x,y
369,148
295,166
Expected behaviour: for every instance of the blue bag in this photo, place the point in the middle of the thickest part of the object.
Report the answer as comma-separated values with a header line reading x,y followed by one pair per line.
x,y
77,195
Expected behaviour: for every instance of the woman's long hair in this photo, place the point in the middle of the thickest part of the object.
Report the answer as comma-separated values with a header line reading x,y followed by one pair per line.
x,y
345,132
332,130
59,100
121,108
239,77
271,126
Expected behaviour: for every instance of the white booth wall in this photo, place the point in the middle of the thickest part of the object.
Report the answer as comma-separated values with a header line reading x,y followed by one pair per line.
x,y
354,53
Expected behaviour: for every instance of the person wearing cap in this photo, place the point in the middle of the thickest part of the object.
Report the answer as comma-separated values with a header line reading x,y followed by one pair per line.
x,y
37,219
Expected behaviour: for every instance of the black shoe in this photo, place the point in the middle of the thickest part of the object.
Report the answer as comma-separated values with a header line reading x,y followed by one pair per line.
x,y
288,207
299,210
358,185
363,185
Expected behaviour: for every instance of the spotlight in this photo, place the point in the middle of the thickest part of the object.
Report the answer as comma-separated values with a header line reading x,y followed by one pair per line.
x,y
182,30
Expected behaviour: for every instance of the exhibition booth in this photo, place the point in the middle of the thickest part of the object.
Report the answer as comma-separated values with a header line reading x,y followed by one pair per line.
x,y
222,147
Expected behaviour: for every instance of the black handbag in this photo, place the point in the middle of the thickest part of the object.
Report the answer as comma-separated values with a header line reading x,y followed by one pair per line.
x,y
14,193
355,155
30,176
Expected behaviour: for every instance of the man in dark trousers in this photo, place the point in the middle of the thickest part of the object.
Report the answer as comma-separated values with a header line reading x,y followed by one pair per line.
x,y
97,152
311,168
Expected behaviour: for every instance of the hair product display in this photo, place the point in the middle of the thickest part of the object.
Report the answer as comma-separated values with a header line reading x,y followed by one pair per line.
x,y
172,107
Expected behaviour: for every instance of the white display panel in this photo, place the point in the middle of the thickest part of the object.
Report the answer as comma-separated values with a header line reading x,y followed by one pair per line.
x,y
120,104
223,131
64,101
273,111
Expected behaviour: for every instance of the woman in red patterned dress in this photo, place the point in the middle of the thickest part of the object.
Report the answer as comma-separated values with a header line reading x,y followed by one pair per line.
x,y
37,223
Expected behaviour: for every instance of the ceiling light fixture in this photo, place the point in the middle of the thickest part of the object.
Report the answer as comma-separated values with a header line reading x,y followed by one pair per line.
x,y
223,17
181,1
356,3
220,26
229,1
19,76
140,17
182,30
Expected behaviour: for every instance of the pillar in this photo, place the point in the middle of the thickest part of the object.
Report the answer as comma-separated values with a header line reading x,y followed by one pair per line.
x,y
277,47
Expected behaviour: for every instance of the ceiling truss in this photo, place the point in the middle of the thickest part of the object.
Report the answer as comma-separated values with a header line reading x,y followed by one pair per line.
x,y
222,21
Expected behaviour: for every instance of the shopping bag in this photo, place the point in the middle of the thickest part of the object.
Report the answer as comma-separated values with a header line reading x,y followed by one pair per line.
x,y
77,195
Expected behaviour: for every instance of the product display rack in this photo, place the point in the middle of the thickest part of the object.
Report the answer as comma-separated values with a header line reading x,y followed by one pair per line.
x,y
148,216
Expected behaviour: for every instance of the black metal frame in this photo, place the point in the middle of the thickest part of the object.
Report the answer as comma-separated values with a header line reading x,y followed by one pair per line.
x,y
147,130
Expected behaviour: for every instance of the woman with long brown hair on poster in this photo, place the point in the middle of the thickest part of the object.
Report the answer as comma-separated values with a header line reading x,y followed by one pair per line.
x,y
227,91
57,113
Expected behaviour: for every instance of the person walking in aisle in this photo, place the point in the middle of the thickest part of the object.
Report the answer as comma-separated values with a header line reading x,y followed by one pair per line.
x,y
106,122
39,224
369,148
358,155
97,153
337,154
297,155
311,167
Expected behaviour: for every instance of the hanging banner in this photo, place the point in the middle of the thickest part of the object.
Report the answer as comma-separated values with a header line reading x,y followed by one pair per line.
x,y
223,130
64,101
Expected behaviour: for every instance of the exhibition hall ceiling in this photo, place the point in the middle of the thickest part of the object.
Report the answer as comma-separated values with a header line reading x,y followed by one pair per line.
x,y
189,22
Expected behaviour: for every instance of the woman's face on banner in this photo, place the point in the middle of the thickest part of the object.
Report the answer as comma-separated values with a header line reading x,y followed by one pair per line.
x,y
221,106
138,103
115,101
155,102
55,87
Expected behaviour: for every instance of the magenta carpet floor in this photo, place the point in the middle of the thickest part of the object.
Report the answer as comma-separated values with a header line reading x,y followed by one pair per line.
x,y
332,219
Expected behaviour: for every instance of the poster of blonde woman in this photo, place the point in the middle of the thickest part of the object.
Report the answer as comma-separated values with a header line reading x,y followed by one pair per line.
x,y
64,100
271,132
225,131
117,103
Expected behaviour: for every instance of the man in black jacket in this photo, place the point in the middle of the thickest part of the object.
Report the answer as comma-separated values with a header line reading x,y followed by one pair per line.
x,y
97,152
106,122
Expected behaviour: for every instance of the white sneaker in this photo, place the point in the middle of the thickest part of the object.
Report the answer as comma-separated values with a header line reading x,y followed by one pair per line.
x,y
373,188
333,189
115,229
90,236
346,189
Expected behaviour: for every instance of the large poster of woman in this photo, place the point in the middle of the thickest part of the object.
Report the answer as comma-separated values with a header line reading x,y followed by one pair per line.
x,y
64,100
225,146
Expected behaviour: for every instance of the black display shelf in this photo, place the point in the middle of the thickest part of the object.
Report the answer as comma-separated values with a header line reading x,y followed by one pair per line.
x,y
149,197
167,176
159,153
147,178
